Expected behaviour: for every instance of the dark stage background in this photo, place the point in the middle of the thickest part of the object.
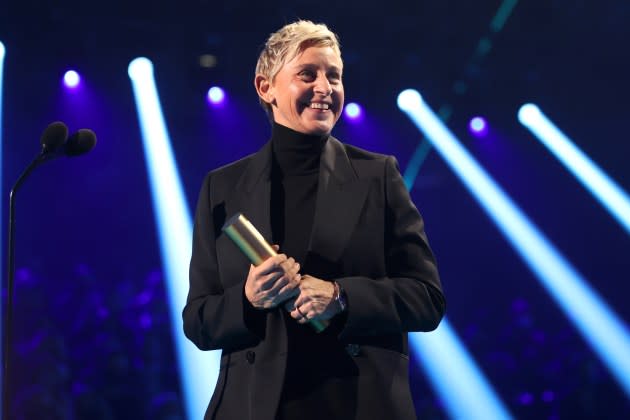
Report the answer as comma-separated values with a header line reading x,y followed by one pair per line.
x,y
92,328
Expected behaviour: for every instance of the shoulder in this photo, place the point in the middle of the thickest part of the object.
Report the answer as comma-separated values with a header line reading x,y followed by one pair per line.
x,y
231,169
222,181
367,162
357,153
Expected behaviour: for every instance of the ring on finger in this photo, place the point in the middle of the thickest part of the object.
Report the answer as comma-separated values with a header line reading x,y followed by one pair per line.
x,y
300,312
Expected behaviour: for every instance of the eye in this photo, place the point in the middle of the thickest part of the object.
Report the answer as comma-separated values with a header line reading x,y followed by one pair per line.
x,y
307,75
334,77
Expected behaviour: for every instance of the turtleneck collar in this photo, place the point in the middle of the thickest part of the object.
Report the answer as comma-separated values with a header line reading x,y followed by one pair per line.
x,y
296,153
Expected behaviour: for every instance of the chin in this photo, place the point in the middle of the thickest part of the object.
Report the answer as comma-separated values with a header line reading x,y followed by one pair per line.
x,y
318,132
318,129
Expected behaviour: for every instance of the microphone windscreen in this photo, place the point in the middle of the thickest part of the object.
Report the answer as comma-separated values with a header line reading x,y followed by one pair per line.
x,y
54,136
80,142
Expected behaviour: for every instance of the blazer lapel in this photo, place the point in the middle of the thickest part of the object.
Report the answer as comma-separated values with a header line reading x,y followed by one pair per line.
x,y
252,195
340,198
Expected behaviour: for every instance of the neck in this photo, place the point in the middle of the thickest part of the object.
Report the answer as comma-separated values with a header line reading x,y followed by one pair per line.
x,y
294,152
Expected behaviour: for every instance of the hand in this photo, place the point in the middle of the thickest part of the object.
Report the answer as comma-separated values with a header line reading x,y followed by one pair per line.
x,y
272,282
314,301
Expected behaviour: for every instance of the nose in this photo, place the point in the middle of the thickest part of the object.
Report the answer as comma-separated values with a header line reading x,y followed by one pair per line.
x,y
322,86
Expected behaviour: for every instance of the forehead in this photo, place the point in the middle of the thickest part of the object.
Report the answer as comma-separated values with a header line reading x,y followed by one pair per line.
x,y
326,56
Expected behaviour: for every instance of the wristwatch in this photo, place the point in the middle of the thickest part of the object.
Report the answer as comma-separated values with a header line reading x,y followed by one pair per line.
x,y
339,297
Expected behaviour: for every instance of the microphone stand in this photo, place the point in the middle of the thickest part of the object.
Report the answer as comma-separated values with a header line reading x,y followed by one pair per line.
x,y
43,157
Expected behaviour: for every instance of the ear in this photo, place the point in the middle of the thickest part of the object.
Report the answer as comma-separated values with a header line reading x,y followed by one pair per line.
x,y
264,88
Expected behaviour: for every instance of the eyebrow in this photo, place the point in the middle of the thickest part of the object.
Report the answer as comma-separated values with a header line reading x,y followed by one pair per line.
x,y
309,66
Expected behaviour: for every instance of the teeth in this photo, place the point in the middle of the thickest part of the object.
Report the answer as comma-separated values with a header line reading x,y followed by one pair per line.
x,y
319,105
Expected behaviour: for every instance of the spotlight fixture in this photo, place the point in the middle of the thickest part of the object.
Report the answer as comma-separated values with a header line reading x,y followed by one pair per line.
x,y
478,127
216,95
353,111
71,79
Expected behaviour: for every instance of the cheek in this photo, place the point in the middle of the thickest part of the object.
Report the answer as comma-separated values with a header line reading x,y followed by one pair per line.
x,y
340,93
340,100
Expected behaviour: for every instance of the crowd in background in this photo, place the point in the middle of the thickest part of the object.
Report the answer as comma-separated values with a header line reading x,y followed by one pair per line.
x,y
91,348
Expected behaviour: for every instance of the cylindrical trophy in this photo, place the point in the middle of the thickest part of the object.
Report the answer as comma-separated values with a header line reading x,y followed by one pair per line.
x,y
256,248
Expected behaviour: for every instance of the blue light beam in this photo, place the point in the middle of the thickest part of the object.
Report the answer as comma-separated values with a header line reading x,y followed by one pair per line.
x,y
466,392
2,54
595,180
455,376
452,371
198,370
598,324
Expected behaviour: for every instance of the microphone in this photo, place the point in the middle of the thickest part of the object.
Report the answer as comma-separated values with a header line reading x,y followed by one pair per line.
x,y
53,137
80,143
55,142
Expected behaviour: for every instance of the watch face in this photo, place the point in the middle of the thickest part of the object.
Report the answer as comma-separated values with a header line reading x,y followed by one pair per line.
x,y
342,301
340,297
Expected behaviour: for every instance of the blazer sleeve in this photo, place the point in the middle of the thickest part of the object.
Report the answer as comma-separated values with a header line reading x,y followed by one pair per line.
x,y
216,317
409,297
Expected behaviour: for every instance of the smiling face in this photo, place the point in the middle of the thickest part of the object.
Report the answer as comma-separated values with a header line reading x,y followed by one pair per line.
x,y
306,95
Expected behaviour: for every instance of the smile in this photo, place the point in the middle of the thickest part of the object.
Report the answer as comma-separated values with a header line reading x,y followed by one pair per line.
x,y
319,105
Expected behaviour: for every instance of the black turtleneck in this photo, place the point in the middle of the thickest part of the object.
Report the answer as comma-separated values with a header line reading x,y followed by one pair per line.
x,y
308,391
294,176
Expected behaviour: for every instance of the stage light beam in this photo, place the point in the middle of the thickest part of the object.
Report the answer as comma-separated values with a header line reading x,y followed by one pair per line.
x,y
503,13
198,370
614,199
2,54
454,374
458,381
598,324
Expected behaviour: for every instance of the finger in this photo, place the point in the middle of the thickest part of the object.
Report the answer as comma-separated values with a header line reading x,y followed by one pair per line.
x,y
276,247
291,288
288,265
300,315
289,305
267,282
277,285
284,298
272,264
293,273
302,299
295,315
286,295
306,317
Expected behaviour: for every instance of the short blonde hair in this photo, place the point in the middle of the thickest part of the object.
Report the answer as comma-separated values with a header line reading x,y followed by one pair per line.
x,y
287,43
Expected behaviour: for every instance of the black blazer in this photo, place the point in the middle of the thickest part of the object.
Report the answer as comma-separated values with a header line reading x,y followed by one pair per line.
x,y
367,235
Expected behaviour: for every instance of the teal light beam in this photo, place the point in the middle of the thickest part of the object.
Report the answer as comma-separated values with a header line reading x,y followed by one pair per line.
x,y
198,370
420,154
502,15
416,161
598,324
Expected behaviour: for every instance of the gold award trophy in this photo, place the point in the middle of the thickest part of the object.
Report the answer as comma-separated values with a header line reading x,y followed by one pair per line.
x,y
249,240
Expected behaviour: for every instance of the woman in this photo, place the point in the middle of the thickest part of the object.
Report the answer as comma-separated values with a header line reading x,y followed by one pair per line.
x,y
353,254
